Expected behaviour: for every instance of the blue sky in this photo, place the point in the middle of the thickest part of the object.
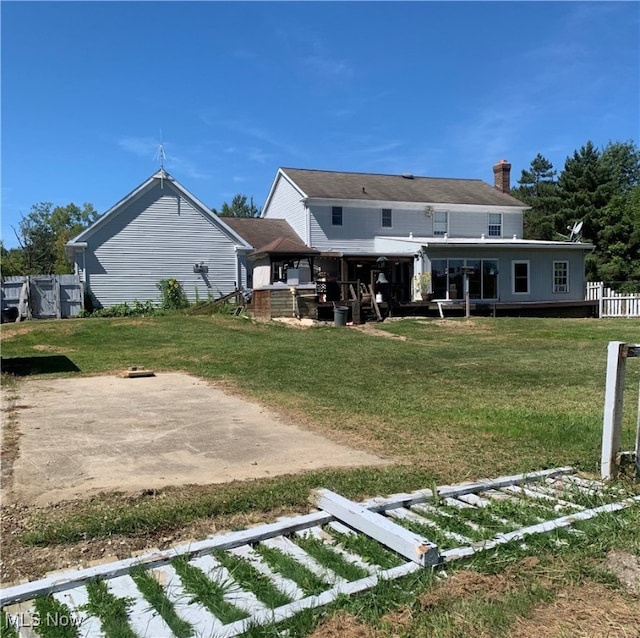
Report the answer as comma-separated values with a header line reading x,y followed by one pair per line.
x,y
235,90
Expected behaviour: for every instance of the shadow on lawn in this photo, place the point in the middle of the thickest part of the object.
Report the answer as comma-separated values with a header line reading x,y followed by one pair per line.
x,y
24,366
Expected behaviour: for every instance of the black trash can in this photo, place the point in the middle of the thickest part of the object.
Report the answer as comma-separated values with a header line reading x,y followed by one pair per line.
x,y
340,314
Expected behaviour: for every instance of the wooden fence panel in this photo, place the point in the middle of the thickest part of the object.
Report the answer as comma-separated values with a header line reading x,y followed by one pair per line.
x,y
43,296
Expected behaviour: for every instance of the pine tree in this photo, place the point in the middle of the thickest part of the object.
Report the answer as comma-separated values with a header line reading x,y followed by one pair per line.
x,y
586,187
539,189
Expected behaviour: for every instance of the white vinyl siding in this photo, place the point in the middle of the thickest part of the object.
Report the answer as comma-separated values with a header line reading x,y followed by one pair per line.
x,y
158,236
285,203
561,276
520,277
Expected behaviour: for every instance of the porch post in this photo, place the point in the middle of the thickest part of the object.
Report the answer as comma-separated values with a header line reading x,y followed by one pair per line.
x,y
344,276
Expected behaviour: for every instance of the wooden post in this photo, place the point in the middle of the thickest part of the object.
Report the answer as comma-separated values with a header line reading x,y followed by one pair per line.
x,y
374,303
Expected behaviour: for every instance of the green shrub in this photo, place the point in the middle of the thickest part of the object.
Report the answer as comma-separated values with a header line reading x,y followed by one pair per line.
x,y
173,296
137,309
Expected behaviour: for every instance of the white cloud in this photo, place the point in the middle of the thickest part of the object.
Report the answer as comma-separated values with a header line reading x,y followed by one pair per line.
x,y
140,146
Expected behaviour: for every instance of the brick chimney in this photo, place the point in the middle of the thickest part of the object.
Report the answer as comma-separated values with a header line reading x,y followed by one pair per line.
x,y
502,176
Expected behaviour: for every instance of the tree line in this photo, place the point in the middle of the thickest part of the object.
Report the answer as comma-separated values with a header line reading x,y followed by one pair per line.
x,y
599,188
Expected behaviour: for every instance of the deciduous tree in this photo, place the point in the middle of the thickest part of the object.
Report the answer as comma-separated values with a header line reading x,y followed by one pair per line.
x,y
44,231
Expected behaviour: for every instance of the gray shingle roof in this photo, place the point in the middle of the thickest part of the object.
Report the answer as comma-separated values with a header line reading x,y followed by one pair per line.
x,y
397,188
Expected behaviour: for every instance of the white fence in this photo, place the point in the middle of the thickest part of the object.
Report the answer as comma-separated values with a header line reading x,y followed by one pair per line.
x,y
611,303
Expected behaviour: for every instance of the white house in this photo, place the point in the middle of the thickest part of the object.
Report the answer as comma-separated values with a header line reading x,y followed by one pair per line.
x,y
411,238
426,235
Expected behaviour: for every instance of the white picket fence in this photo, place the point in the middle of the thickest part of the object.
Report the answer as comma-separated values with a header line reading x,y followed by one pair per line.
x,y
611,303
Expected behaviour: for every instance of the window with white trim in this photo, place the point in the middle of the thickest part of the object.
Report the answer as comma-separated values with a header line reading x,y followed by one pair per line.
x,y
520,277
560,276
387,218
440,223
495,225
336,215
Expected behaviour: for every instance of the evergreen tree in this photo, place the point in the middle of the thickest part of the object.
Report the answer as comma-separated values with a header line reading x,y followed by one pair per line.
x,y
616,258
586,186
538,189
239,208
622,160
599,188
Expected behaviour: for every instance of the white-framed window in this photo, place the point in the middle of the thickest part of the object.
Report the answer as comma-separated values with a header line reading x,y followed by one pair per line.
x,y
387,218
560,276
495,225
440,223
336,215
520,277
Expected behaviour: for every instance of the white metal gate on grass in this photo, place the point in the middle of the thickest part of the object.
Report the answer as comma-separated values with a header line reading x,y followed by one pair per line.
x,y
343,548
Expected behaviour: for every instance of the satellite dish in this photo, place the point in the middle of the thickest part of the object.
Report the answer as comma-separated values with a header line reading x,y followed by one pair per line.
x,y
575,231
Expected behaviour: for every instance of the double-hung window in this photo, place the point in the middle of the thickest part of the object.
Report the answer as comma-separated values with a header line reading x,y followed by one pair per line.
x,y
440,223
560,276
495,224
336,215
387,218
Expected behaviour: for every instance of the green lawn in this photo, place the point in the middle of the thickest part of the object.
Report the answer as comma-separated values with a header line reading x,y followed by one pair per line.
x,y
462,398
453,400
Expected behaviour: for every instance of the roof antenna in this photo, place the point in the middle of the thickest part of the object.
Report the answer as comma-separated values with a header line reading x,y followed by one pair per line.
x,y
161,155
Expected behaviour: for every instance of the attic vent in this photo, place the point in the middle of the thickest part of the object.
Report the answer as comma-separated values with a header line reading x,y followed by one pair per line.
x,y
407,175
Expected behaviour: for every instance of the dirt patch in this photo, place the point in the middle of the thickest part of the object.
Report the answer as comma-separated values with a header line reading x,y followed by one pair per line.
x,y
292,322
465,325
48,348
586,610
82,436
626,568
344,625
370,329
468,583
